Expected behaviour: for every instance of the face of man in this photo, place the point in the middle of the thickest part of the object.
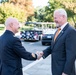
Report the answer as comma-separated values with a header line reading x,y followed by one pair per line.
x,y
58,19
15,26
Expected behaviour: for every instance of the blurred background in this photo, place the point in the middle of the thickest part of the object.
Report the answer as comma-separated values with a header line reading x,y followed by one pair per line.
x,y
36,10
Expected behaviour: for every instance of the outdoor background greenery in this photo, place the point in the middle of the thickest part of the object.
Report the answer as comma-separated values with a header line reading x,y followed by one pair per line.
x,y
24,11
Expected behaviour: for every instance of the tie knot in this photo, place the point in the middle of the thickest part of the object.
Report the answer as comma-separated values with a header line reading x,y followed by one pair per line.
x,y
59,29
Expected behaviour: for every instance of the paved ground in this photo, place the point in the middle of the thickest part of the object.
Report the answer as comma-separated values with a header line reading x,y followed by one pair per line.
x,y
39,67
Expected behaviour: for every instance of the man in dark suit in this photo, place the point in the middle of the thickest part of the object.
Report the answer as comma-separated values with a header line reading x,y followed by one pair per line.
x,y
11,50
63,47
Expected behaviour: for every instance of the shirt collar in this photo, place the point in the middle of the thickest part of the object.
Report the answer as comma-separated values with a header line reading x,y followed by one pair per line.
x,y
63,25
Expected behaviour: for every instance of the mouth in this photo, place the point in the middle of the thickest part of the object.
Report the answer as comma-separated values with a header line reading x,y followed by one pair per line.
x,y
18,27
56,21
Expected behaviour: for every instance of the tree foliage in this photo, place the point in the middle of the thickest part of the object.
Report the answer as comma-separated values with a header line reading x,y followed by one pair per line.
x,y
52,5
47,11
70,6
26,5
7,10
20,9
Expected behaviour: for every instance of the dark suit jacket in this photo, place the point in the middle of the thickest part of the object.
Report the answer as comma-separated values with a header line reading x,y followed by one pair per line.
x,y
11,52
63,52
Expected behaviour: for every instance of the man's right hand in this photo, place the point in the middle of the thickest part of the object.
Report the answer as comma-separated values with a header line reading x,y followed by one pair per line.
x,y
39,54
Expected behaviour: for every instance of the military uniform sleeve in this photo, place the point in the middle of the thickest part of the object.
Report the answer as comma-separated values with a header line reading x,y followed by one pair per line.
x,y
21,51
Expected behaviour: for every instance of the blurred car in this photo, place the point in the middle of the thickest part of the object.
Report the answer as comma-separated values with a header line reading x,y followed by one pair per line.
x,y
47,36
30,35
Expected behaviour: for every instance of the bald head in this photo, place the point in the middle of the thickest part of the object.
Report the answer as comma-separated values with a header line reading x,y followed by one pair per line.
x,y
12,24
10,20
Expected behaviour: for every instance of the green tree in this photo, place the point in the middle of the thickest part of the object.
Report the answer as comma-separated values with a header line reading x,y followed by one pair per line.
x,y
46,13
20,9
68,5
7,10
52,5
39,15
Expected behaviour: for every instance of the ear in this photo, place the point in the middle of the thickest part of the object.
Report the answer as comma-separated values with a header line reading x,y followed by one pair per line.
x,y
11,25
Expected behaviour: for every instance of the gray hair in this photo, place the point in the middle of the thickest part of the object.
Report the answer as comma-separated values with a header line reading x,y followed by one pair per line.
x,y
61,12
10,20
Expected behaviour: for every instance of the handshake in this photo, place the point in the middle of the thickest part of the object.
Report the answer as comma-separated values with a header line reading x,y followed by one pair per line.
x,y
39,54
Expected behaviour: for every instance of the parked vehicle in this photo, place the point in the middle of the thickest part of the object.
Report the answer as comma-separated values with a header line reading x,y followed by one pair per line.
x,y
31,35
38,29
47,36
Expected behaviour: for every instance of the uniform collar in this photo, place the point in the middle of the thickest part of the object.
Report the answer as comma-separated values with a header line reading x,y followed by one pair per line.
x,y
10,32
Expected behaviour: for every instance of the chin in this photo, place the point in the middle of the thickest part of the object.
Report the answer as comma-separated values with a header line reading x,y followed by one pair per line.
x,y
16,32
57,25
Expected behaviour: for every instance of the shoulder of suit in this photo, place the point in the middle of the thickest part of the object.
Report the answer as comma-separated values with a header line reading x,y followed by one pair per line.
x,y
16,38
71,28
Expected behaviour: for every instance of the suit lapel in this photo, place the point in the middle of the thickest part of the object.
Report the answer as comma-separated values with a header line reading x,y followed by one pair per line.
x,y
61,33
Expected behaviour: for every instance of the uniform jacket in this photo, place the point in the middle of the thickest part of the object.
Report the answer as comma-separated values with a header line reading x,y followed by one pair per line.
x,y
11,52
63,52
